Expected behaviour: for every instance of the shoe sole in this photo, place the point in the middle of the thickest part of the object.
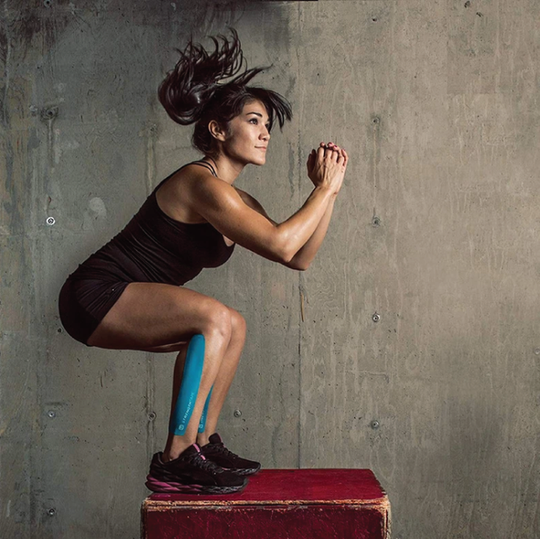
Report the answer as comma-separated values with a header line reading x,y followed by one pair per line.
x,y
243,471
155,485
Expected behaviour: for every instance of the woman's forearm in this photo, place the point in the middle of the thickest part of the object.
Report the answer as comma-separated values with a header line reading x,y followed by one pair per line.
x,y
302,259
296,231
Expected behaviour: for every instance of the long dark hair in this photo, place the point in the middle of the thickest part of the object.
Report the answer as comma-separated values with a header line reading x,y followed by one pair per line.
x,y
192,92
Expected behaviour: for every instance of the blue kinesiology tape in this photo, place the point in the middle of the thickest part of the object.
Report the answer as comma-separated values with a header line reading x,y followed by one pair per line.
x,y
202,423
189,387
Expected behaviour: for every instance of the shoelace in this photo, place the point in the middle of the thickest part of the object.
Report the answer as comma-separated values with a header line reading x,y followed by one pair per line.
x,y
220,448
202,462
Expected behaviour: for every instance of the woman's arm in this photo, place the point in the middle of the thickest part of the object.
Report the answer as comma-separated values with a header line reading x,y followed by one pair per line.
x,y
221,205
224,209
302,259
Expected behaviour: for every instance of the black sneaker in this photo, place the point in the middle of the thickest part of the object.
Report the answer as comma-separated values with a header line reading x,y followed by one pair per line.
x,y
192,473
216,451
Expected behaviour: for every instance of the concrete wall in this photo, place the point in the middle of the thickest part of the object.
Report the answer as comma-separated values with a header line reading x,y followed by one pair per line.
x,y
435,230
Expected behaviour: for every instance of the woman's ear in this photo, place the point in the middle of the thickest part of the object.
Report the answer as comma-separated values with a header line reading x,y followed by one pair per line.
x,y
216,131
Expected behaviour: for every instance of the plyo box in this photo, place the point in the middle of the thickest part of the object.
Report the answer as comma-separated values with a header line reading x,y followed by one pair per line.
x,y
309,503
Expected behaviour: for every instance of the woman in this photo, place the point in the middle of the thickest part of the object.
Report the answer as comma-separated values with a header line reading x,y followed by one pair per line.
x,y
129,294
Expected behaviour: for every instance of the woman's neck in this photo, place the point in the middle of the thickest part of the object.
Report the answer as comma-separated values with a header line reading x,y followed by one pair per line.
x,y
226,169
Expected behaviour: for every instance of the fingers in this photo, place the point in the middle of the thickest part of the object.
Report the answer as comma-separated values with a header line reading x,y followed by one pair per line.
x,y
345,157
327,150
311,160
330,146
333,152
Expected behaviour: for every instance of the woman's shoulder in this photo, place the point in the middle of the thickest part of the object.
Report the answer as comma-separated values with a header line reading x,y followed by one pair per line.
x,y
184,178
190,171
175,195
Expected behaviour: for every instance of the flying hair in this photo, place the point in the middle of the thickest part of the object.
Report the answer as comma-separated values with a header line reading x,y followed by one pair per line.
x,y
206,86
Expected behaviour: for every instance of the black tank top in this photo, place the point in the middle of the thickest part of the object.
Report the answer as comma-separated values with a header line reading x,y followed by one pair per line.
x,y
153,247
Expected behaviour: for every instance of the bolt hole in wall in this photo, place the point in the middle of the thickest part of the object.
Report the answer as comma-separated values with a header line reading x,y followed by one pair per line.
x,y
49,113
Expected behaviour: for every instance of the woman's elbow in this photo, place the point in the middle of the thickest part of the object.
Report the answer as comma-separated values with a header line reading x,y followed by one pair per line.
x,y
288,258
282,252
299,266
286,254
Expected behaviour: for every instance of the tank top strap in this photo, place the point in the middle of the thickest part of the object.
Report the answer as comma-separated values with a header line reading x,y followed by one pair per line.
x,y
206,165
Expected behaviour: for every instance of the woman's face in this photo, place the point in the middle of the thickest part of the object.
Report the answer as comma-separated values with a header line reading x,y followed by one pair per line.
x,y
248,136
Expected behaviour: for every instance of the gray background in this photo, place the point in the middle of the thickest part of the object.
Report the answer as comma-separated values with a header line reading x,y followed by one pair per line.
x,y
438,105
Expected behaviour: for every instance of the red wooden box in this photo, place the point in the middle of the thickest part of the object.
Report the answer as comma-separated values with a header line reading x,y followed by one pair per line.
x,y
319,503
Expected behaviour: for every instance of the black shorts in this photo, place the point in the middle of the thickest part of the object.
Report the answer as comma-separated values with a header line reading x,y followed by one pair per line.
x,y
83,303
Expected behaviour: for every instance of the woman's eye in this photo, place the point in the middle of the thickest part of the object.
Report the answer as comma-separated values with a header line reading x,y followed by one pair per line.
x,y
253,120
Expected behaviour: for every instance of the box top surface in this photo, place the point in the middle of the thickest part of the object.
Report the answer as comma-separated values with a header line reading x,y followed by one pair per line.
x,y
311,486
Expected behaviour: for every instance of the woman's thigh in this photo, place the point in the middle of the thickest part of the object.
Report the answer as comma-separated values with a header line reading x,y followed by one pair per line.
x,y
157,317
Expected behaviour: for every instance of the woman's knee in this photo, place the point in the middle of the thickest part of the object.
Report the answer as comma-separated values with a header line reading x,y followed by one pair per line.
x,y
238,324
217,319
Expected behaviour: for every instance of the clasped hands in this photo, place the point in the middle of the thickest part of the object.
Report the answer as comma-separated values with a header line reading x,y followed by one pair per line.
x,y
326,166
